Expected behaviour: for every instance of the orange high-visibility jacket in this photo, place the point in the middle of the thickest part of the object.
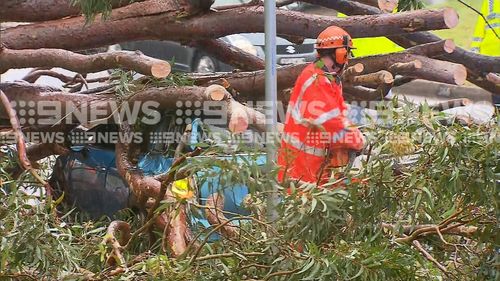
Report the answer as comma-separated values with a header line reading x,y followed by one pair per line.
x,y
317,135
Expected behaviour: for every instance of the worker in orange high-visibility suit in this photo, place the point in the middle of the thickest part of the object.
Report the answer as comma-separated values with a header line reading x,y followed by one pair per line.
x,y
317,136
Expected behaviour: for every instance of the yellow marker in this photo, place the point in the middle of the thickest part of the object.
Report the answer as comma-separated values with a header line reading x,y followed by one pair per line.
x,y
181,189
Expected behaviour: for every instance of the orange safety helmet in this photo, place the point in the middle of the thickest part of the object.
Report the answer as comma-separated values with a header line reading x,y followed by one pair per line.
x,y
334,37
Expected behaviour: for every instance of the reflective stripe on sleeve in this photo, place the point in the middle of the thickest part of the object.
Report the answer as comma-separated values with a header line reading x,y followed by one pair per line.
x,y
475,50
296,143
493,16
326,116
477,39
297,116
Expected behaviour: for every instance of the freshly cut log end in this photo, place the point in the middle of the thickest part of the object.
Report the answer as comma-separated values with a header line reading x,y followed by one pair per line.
x,y
352,71
358,68
216,92
493,78
238,122
161,70
460,75
450,17
387,5
449,46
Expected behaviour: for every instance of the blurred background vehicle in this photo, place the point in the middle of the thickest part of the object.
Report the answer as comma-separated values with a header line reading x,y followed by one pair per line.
x,y
189,59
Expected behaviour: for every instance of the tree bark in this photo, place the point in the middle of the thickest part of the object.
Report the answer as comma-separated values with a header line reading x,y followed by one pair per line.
x,y
10,59
405,68
105,105
434,49
72,33
230,54
433,70
41,10
384,5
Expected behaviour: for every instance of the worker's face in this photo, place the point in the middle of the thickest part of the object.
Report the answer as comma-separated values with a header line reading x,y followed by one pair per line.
x,y
332,65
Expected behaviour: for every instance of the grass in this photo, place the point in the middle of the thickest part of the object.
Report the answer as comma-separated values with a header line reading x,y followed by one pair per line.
x,y
463,32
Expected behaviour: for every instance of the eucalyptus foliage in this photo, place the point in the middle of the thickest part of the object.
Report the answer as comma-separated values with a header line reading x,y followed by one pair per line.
x,y
329,233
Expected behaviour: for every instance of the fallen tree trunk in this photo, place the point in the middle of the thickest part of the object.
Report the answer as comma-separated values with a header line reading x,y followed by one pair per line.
x,y
477,65
41,10
98,108
73,33
11,59
433,70
231,55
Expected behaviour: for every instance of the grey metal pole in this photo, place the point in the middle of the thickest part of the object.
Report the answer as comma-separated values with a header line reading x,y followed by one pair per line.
x,y
271,96
271,87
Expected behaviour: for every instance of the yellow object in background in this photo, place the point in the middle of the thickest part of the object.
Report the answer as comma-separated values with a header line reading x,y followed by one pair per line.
x,y
373,45
485,41
181,189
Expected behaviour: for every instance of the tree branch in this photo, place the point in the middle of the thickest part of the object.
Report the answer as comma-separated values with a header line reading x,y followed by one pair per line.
x,y
83,63
73,33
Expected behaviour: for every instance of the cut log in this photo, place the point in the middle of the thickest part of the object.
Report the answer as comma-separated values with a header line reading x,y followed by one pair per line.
x,y
351,72
385,5
360,93
443,105
434,49
11,59
433,70
493,78
373,80
476,64
73,33
230,54
405,68
103,105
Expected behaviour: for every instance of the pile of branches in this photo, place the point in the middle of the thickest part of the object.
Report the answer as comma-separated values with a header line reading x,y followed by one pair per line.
x,y
54,37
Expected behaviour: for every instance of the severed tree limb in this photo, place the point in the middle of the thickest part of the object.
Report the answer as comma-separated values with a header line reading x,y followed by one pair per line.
x,y
215,203
360,93
163,98
350,73
123,228
83,63
21,143
72,33
451,104
433,70
373,80
41,10
405,68
465,231
493,78
230,54
434,49
143,188
429,256
33,76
